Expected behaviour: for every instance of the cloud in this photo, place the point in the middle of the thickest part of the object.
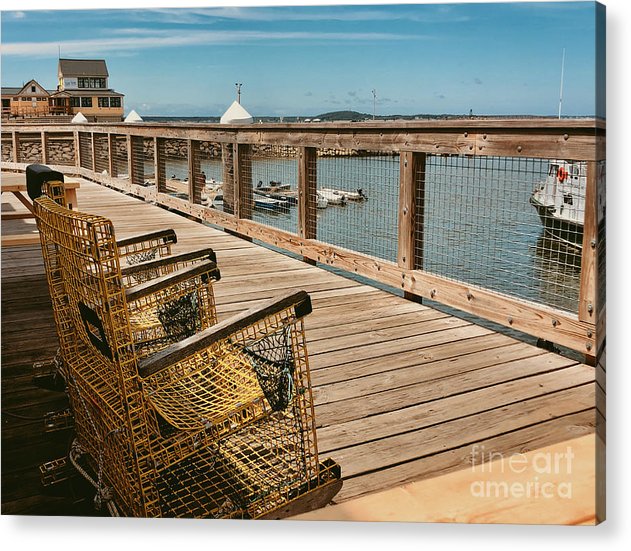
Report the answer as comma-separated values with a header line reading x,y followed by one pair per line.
x,y
477,80
134,39
309,94
300,13
352,94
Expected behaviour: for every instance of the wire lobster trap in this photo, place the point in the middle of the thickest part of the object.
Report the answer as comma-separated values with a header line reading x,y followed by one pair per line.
x,y
511,225
189,421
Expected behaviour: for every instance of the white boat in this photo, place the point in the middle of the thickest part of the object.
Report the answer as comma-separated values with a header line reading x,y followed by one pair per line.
x,y
321,201
267,203
213,190
560,201
273,186
358,195
333,197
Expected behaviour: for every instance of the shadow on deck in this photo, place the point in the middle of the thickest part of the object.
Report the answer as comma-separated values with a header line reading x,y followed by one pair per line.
x,y
402,392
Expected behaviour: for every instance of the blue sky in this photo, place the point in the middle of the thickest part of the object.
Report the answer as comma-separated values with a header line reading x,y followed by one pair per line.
x,y
492,58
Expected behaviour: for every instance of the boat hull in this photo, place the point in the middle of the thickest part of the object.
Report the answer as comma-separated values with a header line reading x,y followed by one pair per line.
x,y
566,231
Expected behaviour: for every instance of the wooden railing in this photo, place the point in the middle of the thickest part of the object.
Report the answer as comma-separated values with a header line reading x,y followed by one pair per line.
x,y
116,155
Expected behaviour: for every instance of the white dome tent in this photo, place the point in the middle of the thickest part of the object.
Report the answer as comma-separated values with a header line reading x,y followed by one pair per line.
x,y
79,118
236,114
133,117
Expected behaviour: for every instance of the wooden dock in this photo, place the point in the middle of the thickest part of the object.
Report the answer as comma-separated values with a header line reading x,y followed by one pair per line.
x,y
403,392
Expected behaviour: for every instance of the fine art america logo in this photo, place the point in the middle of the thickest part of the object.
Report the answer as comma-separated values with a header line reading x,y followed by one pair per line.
x,y
538,475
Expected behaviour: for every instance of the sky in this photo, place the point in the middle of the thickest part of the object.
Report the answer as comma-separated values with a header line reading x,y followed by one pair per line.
x,y
490,58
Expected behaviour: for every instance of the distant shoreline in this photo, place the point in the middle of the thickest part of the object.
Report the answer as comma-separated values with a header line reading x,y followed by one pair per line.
x,y
360,117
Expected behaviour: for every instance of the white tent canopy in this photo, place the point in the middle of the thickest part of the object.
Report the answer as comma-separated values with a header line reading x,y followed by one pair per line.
x,y
79,118
133,117
236,114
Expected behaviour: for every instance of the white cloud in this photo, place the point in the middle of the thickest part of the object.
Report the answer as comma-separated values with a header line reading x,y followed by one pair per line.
x,y
172,38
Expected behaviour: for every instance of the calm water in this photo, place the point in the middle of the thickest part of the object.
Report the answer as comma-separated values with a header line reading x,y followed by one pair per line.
x,y
479,225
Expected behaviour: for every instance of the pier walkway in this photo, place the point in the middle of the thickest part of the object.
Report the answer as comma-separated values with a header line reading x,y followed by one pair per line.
x,y
403,392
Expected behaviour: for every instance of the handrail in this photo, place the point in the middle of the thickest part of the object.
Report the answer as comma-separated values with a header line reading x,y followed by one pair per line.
x,y
414,142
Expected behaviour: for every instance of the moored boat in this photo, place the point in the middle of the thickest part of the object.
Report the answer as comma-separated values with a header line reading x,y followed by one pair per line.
x,y
358,195
267,203
560,201
332,197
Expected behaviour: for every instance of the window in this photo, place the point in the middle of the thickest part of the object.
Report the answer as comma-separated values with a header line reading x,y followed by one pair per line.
x,y
115,102
74,102
86,102
104,102
33,89
25,99
91,82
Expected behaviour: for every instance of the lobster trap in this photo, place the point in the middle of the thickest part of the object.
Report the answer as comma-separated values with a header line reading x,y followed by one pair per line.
x,y
177,415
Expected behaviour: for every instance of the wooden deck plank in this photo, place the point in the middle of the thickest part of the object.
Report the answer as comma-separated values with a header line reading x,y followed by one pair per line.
x,y
401,391
382,398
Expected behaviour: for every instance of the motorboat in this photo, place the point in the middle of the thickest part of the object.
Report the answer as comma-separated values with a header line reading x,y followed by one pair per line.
x,y
274,186
333,197
267,203
560,201
358,195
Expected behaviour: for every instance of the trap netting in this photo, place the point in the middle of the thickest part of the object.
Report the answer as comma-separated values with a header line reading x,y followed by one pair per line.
x,y
257,372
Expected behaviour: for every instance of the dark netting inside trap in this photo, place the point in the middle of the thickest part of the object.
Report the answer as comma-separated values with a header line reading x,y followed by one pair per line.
x,y
180,318
199,487
142,256
273,362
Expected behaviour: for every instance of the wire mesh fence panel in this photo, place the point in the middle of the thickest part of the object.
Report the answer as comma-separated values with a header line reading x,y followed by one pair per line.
x,y
120,164
601,186
137,163
176,167
85,150
101,153
210,158
358,201
512,225
268,176
30,148
7,150
60,149
146,158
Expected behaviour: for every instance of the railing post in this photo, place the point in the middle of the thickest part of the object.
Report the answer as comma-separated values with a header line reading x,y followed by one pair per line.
x,y
110,150
243,201
587,304
228,177
44,147
16,146
77,149
307,190
93,147
195,183
411,213
130,162
159,164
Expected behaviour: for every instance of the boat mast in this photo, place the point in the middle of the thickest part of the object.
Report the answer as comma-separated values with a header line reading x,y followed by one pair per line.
x,y
561,90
